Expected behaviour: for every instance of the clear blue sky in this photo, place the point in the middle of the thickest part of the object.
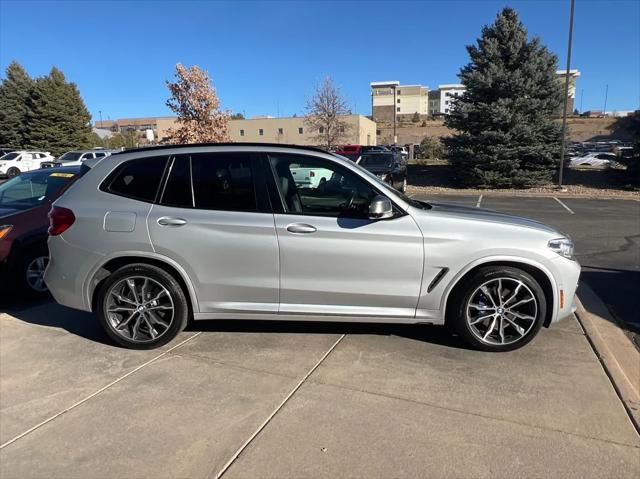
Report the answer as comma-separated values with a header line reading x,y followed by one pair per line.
x,y
266,57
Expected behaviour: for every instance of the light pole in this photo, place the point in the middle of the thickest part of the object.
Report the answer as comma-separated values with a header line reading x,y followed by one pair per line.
x,y
606,94
566,96
395,110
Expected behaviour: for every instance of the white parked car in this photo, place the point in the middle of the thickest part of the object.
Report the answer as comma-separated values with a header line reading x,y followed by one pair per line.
x,y
16,162
595,160
76,158
310,177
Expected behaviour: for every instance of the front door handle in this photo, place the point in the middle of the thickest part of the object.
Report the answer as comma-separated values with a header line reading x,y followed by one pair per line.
x,y
301,228
171,221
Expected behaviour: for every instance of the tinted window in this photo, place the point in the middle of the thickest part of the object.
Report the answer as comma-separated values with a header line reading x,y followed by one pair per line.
x,y
379,159
69,156
138,179
316,187
10,156
177,191
223,181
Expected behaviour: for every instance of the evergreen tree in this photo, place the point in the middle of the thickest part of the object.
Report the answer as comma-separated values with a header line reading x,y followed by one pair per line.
x,y
58,119
14,91
506,133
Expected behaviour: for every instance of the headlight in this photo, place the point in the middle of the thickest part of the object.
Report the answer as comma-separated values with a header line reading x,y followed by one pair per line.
x,y
562,246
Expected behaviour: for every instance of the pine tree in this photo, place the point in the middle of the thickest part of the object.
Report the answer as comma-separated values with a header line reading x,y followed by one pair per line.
x,y
506,133
14,92
58,119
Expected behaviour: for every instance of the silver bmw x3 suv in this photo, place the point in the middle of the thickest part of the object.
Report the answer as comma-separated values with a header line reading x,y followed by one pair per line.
x,y
151,237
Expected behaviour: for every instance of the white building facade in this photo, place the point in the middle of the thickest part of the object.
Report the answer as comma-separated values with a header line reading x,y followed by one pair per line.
x,y
441,100
390,98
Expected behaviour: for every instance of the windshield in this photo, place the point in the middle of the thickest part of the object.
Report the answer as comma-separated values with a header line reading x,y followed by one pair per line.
x,y
70,156
32,189
376,160
9,156
385,187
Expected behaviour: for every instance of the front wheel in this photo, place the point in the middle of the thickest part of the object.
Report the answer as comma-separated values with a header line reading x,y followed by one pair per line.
x,y
142,306
498,309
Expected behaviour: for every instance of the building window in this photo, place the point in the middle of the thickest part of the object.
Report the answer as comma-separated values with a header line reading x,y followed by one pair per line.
x,y
378,132
398,109
398,100
300,131
241,132
280,131
260,132
321,129
399,91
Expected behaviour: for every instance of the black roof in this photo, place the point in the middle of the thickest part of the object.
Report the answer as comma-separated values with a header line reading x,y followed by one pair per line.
x,y
192,145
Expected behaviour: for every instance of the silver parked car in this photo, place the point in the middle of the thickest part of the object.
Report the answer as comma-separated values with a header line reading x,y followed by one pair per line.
x,y
223,231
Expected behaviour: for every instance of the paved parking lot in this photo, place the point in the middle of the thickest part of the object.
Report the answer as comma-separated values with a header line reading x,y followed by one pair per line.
x,y
260,399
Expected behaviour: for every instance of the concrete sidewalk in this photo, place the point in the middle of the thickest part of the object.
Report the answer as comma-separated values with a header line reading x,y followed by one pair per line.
x,y
401,401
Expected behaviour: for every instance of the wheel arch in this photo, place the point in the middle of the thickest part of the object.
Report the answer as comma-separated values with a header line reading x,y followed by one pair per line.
x,y
541,274
111,265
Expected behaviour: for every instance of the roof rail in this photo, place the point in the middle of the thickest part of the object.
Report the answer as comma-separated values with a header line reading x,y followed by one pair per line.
x,y
191,145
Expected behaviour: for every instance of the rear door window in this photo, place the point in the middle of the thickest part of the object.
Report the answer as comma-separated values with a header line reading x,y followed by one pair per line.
x,y
211,181
223,181
138,179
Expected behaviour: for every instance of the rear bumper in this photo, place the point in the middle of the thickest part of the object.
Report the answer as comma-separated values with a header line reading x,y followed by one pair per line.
x,y
68,270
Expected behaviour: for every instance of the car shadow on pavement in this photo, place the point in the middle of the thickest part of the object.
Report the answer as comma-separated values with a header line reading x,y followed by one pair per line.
x,y
618,289
419,332
47,313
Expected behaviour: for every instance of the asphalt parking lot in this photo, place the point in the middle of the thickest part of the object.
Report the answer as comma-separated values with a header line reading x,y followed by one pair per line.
x,y
260,399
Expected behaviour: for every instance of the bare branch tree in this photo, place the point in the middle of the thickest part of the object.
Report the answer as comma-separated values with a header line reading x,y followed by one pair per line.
x,y
325,115
194,100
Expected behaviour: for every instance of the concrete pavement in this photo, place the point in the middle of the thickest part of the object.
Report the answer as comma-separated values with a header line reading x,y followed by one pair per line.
x,y
402,401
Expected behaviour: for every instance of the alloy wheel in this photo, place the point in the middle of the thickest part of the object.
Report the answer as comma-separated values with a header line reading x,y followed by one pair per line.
x,y
139,309
501,311
35,273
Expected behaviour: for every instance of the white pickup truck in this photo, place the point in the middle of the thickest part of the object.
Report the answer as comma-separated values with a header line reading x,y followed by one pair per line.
x,y
16,162
309,177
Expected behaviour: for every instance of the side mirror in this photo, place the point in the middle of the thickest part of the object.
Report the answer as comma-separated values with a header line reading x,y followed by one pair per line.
x,y
380,208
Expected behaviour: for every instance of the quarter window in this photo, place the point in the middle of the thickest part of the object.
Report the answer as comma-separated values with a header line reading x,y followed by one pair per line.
x,y
138,179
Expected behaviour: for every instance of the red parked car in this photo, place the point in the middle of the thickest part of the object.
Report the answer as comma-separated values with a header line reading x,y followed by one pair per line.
x,y
24,203
353,152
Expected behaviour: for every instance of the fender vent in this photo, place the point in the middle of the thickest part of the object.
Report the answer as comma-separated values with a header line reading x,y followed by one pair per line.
x,y
437,279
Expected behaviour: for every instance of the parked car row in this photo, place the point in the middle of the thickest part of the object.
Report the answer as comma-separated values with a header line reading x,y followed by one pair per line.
x,y
14,162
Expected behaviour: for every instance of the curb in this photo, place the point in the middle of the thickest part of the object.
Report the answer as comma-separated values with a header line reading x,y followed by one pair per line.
x,y
619,357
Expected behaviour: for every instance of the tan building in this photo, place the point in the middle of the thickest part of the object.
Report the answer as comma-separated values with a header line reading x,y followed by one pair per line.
x,y
390,98
291,130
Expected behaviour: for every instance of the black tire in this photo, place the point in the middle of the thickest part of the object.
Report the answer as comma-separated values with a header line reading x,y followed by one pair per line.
x,y
13,171
33,258
461,308
177,296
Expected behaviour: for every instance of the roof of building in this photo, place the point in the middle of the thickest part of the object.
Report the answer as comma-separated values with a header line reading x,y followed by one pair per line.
x,y
385,83
447,86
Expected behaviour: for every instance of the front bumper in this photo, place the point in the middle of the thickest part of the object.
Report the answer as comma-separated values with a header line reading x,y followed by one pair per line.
x,y
567,276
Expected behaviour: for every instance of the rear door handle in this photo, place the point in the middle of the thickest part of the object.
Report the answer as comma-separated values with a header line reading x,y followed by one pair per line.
x,y
171,221
301,228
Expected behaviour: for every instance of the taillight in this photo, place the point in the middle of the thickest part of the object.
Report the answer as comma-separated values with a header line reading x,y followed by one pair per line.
x,y
312,174
60,220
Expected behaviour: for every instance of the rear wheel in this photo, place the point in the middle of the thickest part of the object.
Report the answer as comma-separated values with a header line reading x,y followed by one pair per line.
x,y
499,309
13,171
142,307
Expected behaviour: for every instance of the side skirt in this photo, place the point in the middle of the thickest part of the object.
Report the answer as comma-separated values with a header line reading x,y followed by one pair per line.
x,y
316,317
